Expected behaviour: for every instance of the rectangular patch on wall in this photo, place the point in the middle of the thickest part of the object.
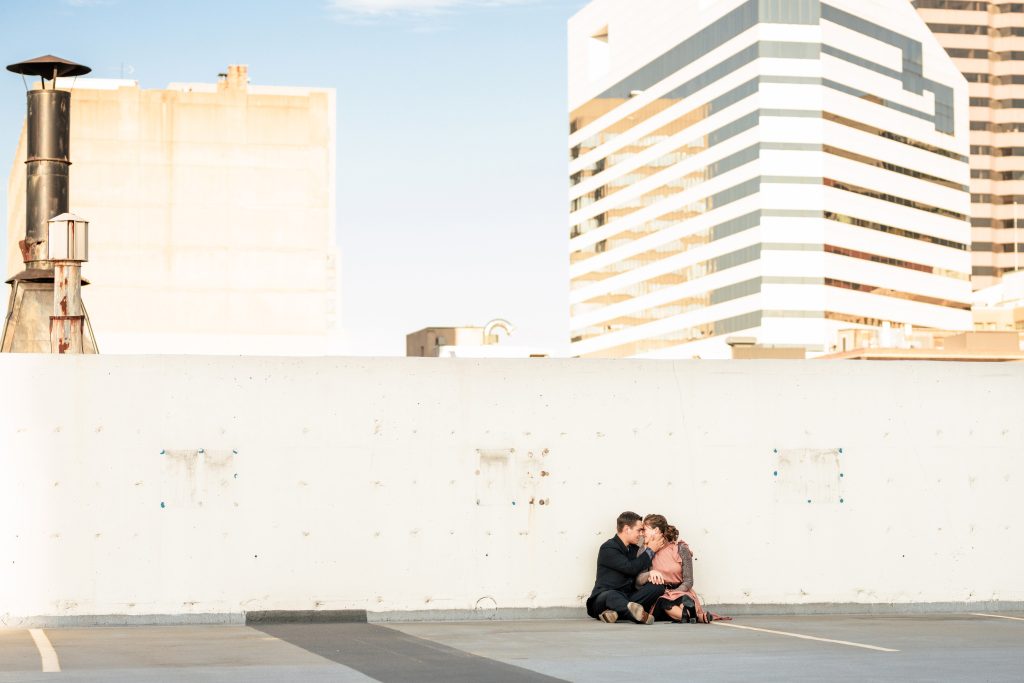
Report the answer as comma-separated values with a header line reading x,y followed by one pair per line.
x,y
497,476
808,475
506,479
197,478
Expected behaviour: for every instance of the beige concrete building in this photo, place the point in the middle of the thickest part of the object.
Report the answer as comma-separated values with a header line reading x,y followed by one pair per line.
x,y
986,41
468,342
932,345
748,348
212,212
426,343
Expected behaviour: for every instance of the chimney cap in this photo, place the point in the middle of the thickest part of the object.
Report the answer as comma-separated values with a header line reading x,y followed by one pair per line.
x,y
67,217
48,67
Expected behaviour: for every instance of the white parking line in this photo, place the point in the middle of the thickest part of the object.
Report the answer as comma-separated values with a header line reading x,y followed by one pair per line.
x,y
995,616
799,635
46,652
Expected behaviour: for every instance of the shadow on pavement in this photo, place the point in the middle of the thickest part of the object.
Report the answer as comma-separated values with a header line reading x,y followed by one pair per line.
x,y
392,656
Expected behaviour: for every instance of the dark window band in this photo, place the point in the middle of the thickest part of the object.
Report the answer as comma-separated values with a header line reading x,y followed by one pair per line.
x,y
963,29
865,320
896,294
871,161
993,271
968,53
1008,55
859,125
884,196
899,263
899,232
1006,127
1006,199
857,319
1008,223
998,247
1006,104
963,5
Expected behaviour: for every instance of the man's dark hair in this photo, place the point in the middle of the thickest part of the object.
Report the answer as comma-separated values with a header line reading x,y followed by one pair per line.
x,y
626,519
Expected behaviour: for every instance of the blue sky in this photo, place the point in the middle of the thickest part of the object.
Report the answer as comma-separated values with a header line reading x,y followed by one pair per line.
x,y
451,136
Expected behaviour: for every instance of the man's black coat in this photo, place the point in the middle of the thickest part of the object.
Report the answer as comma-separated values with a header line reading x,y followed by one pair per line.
x,y
617,568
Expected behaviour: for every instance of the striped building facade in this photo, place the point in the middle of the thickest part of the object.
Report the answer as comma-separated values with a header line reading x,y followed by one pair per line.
x,y
782,169
986,42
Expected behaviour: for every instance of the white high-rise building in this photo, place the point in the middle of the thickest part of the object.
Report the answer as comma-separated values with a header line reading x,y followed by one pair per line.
x,y
778,169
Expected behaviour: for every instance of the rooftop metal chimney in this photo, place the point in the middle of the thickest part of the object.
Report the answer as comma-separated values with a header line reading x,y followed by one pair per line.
x,y
27,327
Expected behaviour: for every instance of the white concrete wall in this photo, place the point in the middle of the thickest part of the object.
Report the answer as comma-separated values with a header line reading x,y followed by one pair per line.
x,y
405,484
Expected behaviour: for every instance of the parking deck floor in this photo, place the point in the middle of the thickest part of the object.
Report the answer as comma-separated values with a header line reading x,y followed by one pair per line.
x,y
918,647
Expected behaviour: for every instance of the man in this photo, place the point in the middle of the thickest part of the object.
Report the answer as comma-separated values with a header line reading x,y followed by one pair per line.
x,y
618,562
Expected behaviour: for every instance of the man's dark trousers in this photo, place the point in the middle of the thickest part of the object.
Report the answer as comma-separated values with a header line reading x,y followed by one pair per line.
x,y
618,565
646,595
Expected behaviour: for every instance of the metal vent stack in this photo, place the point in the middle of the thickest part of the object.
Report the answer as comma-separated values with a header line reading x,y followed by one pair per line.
x,y
48,127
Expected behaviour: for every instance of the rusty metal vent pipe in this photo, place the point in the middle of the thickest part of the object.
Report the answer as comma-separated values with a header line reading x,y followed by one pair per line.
x,y
48,155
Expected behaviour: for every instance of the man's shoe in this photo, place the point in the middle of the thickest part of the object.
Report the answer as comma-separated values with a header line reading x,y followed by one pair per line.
x,y
639,613
609,616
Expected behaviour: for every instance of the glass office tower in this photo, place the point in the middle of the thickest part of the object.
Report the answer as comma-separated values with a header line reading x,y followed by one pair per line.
x,y
776,169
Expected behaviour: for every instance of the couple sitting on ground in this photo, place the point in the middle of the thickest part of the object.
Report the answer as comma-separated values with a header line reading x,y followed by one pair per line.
x,y
645,573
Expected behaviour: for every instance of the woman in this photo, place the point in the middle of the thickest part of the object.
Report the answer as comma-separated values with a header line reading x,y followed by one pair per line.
x,y
673,566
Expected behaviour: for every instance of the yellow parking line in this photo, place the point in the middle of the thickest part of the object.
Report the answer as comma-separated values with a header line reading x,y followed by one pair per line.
x,y
995,616
799,635
46,652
